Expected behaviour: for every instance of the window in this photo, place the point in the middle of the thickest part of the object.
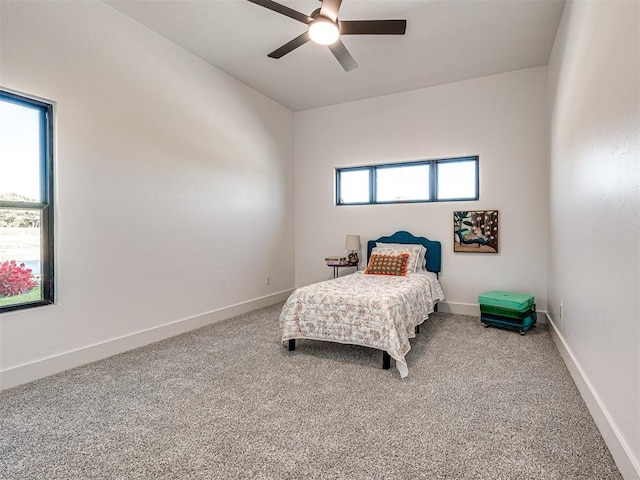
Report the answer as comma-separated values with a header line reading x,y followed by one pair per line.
x,y
403,184
355,185
26,202
444,180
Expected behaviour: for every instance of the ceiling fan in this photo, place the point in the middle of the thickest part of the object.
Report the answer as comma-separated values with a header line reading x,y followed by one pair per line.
x,y
324,28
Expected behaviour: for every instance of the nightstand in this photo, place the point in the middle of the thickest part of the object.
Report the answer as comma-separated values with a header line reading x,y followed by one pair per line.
x,y
336,268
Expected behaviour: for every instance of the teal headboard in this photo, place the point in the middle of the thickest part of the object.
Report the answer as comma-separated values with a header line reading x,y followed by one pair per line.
x,y
434,249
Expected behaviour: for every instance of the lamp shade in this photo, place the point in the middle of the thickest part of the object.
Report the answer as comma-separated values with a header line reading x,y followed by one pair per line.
x,y
352,242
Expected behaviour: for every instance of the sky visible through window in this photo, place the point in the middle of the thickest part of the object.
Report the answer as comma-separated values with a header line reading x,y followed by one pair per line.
x,y
355,186
19,150
456,180
398,184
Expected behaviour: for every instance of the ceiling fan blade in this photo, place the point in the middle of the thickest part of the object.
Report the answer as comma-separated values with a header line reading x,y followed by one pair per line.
x,y
373,27
330,9
289,46
343,56
276,7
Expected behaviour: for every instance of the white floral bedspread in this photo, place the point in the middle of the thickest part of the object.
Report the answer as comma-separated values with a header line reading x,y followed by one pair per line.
x,y
378,311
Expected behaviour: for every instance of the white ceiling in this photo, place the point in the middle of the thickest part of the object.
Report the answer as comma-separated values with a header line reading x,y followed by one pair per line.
x,y
446,41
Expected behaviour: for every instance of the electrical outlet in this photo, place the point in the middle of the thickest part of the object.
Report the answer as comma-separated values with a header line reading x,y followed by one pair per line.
x,y
267,280
561,309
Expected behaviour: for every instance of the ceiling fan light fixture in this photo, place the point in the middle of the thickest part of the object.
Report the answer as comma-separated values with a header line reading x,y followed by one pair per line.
x,y
323,31
324,28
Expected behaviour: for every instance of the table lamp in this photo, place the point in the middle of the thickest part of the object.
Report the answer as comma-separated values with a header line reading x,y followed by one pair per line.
x,y
352,243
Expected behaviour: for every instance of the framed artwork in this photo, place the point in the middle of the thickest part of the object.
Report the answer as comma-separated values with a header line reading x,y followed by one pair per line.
x,y
475,231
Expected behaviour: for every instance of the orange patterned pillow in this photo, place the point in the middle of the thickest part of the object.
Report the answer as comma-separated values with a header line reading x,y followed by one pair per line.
x,y
388,265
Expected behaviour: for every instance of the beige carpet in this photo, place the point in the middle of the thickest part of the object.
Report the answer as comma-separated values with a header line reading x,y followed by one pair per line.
x,y
227,401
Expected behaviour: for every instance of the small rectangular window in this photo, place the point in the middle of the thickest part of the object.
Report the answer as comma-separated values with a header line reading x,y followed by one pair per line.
x,y
448,179
26,201
354,186
403,183
457,180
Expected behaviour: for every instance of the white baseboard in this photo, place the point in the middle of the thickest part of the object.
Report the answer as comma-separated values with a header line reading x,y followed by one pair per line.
x,y
31,371
620,451
474,310
459,308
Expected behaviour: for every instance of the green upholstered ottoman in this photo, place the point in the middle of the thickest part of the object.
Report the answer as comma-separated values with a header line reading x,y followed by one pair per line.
x,y
519,302
514,311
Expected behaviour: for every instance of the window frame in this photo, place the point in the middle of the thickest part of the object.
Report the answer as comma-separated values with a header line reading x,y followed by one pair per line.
x,y
433,180
339,184
46,204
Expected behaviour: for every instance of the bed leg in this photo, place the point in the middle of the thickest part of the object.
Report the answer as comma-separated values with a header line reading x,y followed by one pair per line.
x,y
435,307
292,344
386,361
417,329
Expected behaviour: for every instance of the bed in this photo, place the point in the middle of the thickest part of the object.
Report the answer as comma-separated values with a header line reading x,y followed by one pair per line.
x,y
377,311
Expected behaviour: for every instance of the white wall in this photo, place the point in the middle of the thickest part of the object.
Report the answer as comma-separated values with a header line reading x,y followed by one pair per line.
x,y
594,86
501,118
174,186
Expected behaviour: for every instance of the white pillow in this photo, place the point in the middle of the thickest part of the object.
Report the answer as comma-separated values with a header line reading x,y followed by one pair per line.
x,y
421,263
417,252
